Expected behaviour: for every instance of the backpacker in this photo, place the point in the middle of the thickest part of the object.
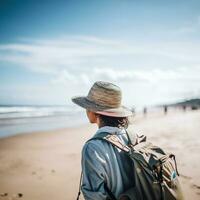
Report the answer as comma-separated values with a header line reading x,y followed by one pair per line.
x,y
156,174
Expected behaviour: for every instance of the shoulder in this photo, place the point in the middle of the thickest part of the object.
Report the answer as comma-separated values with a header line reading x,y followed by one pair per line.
x,y
94,153
93,146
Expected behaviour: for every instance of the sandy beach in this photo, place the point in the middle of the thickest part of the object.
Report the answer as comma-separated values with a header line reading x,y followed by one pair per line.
x,y
46,165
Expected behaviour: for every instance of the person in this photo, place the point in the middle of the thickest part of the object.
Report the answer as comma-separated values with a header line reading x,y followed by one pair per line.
x,y
145,111
106,170
165,110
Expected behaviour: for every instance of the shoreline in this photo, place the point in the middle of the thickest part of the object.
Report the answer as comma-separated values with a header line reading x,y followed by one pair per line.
x,y
9,127
46,164
46,131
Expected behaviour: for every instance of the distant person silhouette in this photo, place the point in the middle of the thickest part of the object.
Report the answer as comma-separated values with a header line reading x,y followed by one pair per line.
x,y
145,111
165,110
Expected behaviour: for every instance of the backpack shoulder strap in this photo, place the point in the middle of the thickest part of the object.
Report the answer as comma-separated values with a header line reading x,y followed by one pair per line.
x,y
134,138
112,139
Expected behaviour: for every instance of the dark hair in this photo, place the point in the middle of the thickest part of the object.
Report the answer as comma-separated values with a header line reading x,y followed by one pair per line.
x,y
120,122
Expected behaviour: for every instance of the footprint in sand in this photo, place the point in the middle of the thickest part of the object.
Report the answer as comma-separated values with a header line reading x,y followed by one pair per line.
x,y
186,177
4,194
33,173
16,196
196,186
20,195
13,197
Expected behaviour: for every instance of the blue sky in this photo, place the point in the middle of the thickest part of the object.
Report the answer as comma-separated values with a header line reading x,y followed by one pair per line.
x,y
52,50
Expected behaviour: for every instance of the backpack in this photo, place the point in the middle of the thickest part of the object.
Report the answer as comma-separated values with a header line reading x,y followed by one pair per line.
x,y
155,172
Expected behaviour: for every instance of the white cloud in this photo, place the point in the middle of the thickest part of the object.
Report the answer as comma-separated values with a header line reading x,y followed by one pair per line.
x,y
51,56
64,77
160,70
153,76
84,59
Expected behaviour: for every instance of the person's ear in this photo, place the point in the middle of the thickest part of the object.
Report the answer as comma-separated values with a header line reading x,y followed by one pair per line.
x,y
91,116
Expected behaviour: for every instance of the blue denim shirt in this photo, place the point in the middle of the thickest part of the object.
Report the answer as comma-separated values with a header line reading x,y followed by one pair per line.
x,y
102,163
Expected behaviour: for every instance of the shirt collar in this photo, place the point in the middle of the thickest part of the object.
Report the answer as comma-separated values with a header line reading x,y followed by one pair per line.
x,y
110,129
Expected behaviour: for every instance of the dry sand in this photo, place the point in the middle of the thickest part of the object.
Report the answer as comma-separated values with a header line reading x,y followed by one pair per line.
x,y
46,166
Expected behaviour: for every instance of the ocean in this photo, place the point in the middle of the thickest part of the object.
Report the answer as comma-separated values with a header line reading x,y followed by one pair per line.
x,y
27,119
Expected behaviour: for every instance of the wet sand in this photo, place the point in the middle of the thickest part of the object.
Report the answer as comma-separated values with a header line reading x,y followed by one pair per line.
x,y
46,165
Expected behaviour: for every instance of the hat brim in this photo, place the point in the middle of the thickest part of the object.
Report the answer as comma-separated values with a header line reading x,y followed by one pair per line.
x,y
121,111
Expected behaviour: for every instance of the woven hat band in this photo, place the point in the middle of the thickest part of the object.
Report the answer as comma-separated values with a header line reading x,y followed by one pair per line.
x,y
105,94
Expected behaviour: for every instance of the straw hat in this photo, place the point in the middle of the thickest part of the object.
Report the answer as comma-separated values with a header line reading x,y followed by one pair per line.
x,y
104,98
